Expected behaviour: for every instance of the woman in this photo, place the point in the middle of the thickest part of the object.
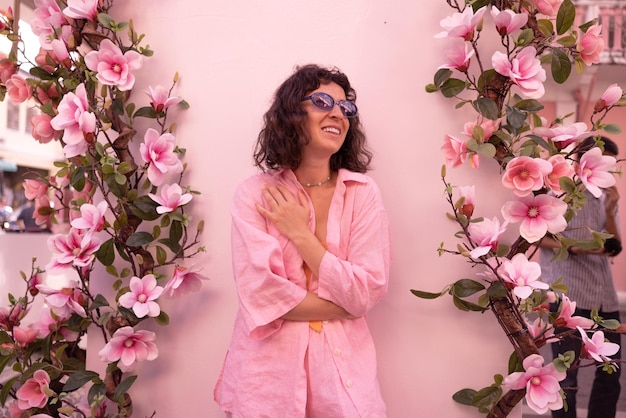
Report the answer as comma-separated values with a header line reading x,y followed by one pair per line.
x,y
310,246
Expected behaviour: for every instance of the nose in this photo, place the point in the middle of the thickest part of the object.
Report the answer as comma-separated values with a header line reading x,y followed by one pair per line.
x,y
336,112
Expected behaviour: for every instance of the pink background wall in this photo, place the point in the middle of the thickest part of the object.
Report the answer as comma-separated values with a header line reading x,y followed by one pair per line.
x,y
231,55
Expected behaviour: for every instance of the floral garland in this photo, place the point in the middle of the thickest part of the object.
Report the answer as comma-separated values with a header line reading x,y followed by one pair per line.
x,y
536,158
126,214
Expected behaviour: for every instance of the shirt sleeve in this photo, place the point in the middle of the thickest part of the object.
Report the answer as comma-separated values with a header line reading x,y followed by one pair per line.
x,y
356,277
264,290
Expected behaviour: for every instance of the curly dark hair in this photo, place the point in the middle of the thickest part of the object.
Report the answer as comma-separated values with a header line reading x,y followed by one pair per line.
x,y
280,142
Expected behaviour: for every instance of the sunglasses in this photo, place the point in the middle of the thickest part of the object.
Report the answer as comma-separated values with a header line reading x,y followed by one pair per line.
x,y
326,103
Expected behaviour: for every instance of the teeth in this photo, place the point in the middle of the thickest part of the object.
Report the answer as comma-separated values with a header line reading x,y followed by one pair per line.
x,y
332,130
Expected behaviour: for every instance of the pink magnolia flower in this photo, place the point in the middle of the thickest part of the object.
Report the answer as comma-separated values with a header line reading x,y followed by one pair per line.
x,y
591,45
485,234
41,129
458,56
560,168
185,280
32,394
541,330
611,96
596,347
65,301
537,214
547,7
48,18
25,336
112,66
455,150
566,318
594,170
7,68
171,197
525,175
488,126
91,217
74,249
76,120
524,70
18,89
34,189
543,392
507,21
562,136
141,296
50,322
158,152
461,25
82,9
129,346
11,316
467,193
523,275
160,98
59,53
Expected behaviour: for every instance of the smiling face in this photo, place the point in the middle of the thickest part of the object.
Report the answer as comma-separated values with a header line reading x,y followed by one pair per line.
x,y
327,130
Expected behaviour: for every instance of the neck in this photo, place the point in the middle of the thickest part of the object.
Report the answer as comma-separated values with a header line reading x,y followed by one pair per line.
x,y
314,184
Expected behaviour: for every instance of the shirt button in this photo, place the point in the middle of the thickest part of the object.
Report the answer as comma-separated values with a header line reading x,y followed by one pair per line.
x,y
349,383
337,352
325,321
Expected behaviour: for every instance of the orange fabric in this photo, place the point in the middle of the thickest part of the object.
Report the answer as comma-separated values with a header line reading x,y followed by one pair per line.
x,y
315,325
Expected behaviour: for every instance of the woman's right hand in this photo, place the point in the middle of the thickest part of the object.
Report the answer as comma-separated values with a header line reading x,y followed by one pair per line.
x,y
289,213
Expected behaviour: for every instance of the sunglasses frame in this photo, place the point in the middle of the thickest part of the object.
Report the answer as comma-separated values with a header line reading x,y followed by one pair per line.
x,y
328,98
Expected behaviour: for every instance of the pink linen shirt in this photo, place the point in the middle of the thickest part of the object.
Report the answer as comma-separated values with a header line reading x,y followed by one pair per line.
x,y
271,361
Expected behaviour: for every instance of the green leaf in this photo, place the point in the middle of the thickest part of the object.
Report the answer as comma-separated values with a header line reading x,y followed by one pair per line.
x,y
565,17
176,232
452,87
466,287
139,239
431,88
98,302
161,255
124,167
515,365
426,295
106,252
515,118
567,41
97,390
6,389
487,107
79,379
487,396
530,105
163,319
525,37
610,323
546,27
105,20
441,76
464,396
612,128
467,306
146,112
41,74
561,66
112,270
123,387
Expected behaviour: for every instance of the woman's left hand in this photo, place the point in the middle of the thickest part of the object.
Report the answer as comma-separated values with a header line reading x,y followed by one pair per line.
x,y
289,213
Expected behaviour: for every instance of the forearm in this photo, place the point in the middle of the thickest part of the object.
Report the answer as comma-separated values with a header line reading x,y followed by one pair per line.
x,y
315,308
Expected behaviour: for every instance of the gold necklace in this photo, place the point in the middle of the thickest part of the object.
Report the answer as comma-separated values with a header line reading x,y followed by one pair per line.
x,y
326,180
